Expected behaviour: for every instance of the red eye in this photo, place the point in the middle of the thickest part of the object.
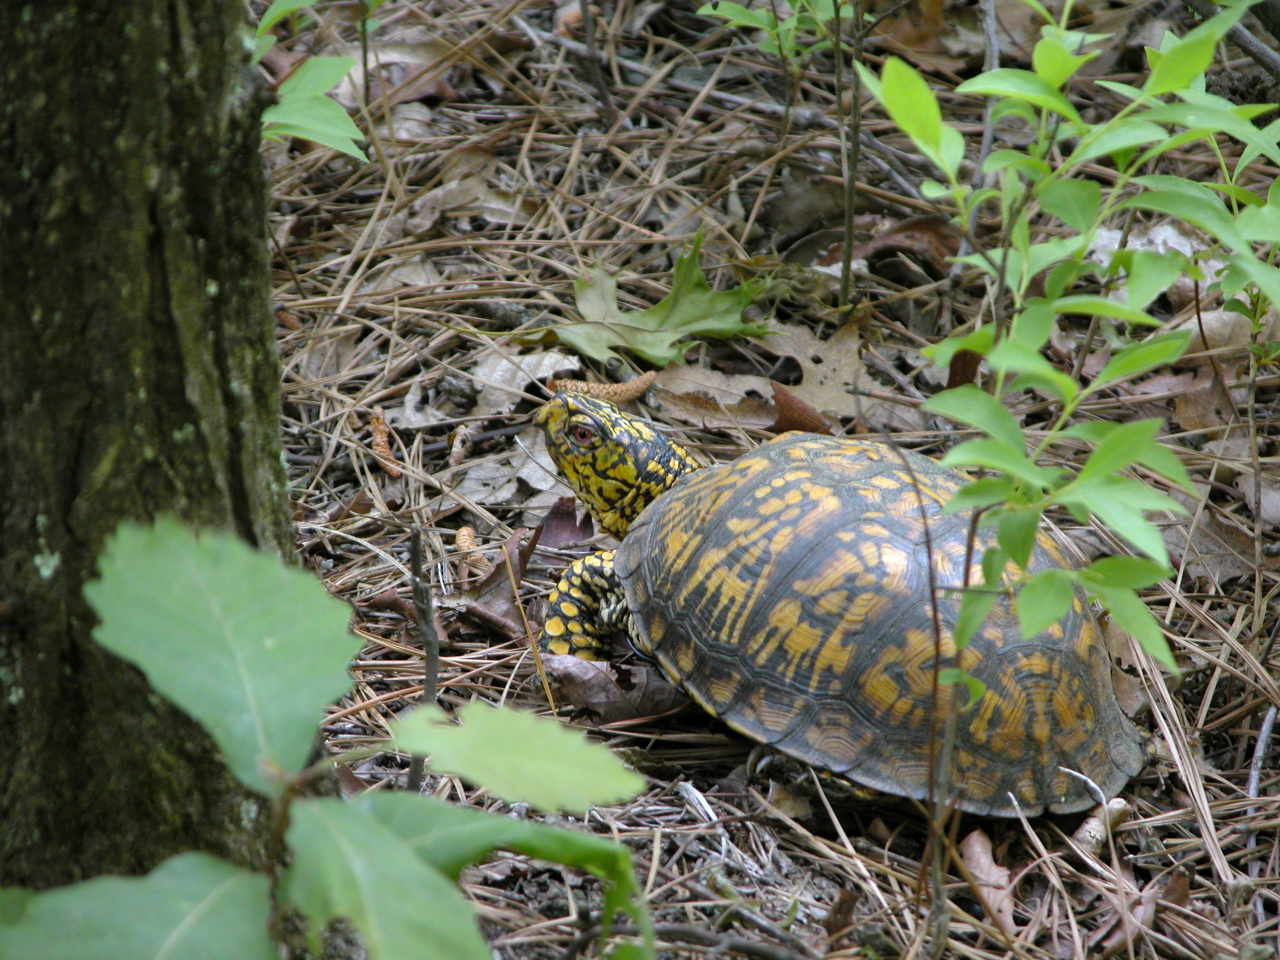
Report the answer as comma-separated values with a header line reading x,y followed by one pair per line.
x,y
581,434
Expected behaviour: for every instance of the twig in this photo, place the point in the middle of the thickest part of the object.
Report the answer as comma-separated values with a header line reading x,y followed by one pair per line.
x,y
593,64
422,605
696,936
1260,749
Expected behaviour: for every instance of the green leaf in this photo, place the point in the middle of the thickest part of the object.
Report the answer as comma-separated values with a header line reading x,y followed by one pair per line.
x,y
977,341
1119,503
1132,615
251,648
1074,202
657,334
1009,356
278,11
1204,121
1035,168
347,864
325,137
449,838
1166,463
1149,274
910,103
1141,357
1264,275
1054,63
1115,137
481,751
1016,533
315,118
1260,224
13,904
995,455
994,560
974,688
1186,59
1121,447
1205,213
1043,600
1033,325
738,15
1102,307
261,45
1270,134
316,76
984,492
192,906
1131,573
975,604
979,409
1020,85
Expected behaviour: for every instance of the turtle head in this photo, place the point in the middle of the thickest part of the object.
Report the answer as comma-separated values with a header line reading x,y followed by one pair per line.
x,y
616,463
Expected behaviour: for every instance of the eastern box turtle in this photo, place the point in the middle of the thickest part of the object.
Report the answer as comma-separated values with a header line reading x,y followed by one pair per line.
x,y
787,592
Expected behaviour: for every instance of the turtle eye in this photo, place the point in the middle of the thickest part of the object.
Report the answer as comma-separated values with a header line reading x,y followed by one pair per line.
x,y
581,434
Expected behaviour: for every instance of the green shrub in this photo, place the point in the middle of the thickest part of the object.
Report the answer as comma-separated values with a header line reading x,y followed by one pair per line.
x,y
255,651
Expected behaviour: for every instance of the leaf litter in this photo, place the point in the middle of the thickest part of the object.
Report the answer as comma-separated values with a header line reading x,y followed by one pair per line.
x,y
509,212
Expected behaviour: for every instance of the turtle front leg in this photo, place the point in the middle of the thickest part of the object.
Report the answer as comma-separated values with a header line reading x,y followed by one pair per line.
x,y
586,606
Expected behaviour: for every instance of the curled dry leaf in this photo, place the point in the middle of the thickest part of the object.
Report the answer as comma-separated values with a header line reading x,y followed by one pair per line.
x,y
619,393
795,414
1092,834
613,692
991,881
932,239
561,527
381,444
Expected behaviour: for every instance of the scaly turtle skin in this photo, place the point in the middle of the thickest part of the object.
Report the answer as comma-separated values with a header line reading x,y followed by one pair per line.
x,y
787,592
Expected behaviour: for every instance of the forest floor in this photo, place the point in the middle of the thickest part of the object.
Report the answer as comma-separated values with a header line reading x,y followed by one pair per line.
x,y
425,298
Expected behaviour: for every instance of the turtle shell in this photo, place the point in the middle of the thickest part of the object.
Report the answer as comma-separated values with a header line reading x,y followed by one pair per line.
x,y
788,593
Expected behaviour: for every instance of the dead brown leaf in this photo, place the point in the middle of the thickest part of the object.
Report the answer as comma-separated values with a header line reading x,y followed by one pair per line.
x,y
1209,547
795,414
496,594
931,238
561,527
414,65
991,881
613,692
709,398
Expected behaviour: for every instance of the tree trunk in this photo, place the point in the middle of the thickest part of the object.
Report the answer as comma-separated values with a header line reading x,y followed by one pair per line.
x,y
138,376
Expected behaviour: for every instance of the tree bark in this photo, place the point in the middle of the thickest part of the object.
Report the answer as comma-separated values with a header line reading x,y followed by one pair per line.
x,y
138,376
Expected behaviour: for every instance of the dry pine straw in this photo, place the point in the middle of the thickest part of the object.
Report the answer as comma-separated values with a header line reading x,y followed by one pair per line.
x,y
706,142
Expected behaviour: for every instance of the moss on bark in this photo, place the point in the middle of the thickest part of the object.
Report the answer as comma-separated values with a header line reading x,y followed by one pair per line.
x,y
138,376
